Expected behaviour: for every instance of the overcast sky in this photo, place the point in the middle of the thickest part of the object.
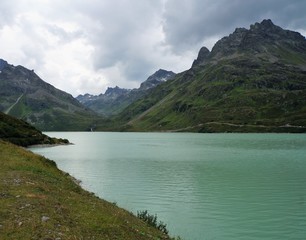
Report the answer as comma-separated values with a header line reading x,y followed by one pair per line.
x,y
85,46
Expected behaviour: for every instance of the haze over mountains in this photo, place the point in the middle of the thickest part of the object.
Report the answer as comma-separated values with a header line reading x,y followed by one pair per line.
x,y
253,80
114,100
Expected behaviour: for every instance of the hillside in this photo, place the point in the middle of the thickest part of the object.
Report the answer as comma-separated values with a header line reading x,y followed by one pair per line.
x,y
253,80
38,201
25,95
114,100
21,133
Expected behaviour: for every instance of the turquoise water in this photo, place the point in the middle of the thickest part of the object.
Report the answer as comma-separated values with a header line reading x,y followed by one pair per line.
x,y
204,186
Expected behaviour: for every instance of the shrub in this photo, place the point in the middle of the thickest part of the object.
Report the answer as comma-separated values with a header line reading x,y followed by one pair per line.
x,y
152,221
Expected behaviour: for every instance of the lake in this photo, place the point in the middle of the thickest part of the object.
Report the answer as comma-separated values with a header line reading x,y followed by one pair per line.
x,y
203,186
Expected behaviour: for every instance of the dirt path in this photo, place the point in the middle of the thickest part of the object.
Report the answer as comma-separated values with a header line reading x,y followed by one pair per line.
x,y
230,124
11,107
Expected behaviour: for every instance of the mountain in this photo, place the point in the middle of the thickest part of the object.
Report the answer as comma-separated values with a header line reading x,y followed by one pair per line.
x,y
25,95
157,78
253,80
109,103
114,100
3,64
23,134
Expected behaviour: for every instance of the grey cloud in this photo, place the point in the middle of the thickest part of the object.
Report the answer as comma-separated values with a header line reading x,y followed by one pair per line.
x,y
117,39
7,12
192,21
63,35
125,40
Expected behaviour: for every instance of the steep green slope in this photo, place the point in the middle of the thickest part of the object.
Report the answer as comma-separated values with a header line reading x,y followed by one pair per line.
x,y
24,95
21,133
252,81
38,201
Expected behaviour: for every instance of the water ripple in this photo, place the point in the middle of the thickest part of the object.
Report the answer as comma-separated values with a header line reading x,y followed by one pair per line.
x,y
204,186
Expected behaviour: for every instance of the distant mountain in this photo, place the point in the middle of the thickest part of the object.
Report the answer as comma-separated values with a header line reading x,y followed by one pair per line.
x,y
253,80
114,100
25,95
110,94
157,78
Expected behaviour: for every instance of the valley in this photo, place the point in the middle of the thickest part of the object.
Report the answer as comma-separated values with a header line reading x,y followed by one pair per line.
x,y
253,80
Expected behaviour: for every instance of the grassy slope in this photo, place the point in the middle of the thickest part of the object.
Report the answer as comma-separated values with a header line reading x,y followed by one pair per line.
x,y
44,116
24,95
21,133
240,95
31,188
250,82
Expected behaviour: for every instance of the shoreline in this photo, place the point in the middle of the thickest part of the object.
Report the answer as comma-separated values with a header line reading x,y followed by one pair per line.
x,y
42,200
48,145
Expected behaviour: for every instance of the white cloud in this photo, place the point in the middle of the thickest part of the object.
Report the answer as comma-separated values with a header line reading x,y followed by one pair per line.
x,y
86,46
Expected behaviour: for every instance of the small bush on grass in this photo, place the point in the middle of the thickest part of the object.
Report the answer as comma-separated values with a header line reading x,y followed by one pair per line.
x,y
152,221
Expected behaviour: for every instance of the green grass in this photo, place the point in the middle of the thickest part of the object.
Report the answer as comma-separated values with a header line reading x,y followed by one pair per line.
x,y
21,133
240,91
38,201
20,109
291,56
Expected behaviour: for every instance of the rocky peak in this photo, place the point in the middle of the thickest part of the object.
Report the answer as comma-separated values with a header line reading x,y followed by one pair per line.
x,y
266,23
85,98
228,45
265,26
158,77
266,33
256,39
202,56
3,64
116,91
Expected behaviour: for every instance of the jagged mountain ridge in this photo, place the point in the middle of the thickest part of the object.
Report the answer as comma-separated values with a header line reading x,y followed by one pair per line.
x,y
114,100
253,80
261,38
157,78
25,95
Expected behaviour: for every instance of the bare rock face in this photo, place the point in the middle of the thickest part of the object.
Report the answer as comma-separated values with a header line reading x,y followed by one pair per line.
x,y
257,39
202,56
116,92
158,77
3,64
230,44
